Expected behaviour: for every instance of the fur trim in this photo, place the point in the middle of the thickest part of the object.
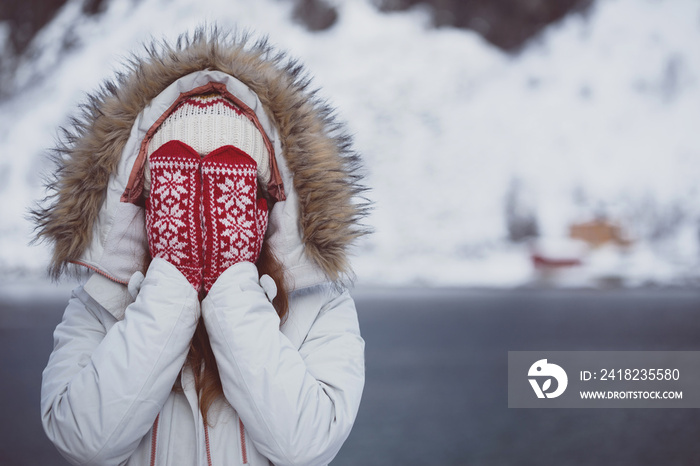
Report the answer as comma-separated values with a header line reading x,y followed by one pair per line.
x,y
315,145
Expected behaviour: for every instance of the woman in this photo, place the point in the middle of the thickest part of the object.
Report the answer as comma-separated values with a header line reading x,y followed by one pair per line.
x,y
214,200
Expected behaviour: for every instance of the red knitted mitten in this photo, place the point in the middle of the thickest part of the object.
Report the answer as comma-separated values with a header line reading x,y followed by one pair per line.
x,y
234,219
173,212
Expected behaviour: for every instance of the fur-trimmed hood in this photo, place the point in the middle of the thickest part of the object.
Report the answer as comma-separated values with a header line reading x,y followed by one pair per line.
x,y
93,219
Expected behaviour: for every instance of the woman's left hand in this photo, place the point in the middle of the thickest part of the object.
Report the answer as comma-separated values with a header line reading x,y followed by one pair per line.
x,y
234,218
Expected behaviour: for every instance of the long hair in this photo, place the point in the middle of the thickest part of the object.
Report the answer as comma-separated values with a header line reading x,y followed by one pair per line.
x,y
201,357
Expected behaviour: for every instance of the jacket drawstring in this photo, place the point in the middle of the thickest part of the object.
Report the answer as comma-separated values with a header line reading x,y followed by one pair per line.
x,y
154,440
244,451
206,440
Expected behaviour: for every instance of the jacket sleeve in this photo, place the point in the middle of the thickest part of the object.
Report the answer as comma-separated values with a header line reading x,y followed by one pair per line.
x,y
298,405
102,390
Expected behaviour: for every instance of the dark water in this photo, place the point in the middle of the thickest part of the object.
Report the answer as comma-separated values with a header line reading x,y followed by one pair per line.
x,y
436,390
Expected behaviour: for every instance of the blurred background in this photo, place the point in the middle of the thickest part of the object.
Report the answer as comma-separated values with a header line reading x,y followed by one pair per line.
x,y
535,168
507,143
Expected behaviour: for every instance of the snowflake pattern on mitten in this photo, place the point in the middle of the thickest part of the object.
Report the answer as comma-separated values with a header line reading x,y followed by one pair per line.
x,y
234,219
173,212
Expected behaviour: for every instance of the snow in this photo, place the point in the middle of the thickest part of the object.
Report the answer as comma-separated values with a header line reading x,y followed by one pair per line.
x,y
596,118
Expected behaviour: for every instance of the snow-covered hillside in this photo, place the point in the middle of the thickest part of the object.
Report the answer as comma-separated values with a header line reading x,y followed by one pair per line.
x,y
597,118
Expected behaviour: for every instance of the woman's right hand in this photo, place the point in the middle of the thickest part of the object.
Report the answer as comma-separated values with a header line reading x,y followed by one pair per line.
x,y
173,219
109,377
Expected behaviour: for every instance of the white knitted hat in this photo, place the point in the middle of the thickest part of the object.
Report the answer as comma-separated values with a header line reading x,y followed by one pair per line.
x,y
207,122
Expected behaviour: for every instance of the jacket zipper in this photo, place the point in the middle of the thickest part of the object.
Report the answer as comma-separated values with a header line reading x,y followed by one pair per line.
x,y
154,440
244,451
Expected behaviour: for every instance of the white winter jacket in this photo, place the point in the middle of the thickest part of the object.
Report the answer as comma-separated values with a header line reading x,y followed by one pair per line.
x,y
291,393
116,389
